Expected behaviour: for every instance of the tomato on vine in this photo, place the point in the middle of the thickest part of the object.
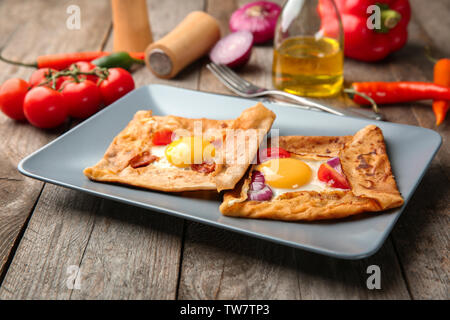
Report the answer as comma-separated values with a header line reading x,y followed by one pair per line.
x,y
45,107
118,83
12,95
83,98
41,77
84,66
77,91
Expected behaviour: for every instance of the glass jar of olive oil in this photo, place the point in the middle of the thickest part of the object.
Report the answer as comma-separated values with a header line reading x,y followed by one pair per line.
x,y
308,57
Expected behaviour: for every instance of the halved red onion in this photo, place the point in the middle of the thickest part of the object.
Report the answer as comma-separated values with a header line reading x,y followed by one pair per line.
x,y
257,176
259,17
234,50
258,190
260,195
335,163
257,182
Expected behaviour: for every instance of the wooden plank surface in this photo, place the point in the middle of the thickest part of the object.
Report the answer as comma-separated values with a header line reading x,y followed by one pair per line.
x,y
129,253
421,235
40,28
27,30
122,251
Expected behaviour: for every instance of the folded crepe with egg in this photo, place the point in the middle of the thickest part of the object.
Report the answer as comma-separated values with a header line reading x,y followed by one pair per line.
x,y
303,187
170,153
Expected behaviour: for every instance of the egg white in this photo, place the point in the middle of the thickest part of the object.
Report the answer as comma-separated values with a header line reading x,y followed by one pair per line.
x,y
162,161
313,185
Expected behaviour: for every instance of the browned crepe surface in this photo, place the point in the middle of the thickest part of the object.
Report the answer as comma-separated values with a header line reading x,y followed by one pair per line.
x,y
137,138
364,162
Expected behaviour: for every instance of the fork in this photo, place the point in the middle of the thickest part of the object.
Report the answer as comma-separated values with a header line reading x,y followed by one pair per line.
x,y
246,89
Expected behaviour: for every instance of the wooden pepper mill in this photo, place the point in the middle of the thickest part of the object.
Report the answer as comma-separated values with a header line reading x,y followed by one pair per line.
x,y
190,40
132,31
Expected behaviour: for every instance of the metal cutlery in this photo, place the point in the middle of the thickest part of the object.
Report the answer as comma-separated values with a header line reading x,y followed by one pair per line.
x,y
246,89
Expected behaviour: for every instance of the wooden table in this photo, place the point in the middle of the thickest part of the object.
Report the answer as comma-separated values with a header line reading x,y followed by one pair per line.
x,y
125,252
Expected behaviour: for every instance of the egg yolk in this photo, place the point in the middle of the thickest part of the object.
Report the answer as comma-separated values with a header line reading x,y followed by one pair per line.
x,y
189,150
286,173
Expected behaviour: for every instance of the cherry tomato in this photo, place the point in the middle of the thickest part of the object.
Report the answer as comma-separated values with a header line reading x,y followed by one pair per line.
x,y
272,153
12,94
333,178
162,137
85,66
118,83
39,76
83,99
45,107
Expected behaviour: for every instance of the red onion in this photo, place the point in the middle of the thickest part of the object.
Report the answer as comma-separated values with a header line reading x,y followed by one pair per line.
x,y
335,163
258,190
257,182
260,195
259,17
258,176
233,50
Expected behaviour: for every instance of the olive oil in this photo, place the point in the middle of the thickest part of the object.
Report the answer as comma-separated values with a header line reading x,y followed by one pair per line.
x,y
308,67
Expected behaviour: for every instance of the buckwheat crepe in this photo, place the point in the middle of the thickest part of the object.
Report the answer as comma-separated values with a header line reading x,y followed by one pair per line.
x,y
135,141
364,162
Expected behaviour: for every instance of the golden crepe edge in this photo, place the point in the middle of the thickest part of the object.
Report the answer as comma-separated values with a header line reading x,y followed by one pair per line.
x,y
364,162
136,138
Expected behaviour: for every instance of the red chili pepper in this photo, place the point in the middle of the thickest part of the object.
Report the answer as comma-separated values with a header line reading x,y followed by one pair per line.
x,y
362,42
136,55
61,61
399,92
441,77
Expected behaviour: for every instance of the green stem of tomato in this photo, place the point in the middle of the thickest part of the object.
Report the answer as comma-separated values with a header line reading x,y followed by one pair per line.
x,y
74,73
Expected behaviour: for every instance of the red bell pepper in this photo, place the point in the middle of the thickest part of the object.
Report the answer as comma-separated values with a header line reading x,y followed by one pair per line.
x,y
364,43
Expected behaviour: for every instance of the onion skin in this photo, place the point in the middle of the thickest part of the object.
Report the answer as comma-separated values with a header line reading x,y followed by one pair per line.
x,y
264,194
259,17
258,182
258,190
234,50
335,163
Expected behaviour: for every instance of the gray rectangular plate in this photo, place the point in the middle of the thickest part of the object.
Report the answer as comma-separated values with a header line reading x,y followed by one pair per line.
x,y
62,161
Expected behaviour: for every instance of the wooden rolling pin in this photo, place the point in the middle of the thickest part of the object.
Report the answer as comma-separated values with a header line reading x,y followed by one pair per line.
x,y
190,40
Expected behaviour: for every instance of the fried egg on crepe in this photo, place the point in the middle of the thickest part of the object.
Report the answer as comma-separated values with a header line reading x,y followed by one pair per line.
x,y
294,188
195,158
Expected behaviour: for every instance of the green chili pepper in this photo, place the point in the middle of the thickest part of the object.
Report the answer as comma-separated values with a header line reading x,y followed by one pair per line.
x,y
117,60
